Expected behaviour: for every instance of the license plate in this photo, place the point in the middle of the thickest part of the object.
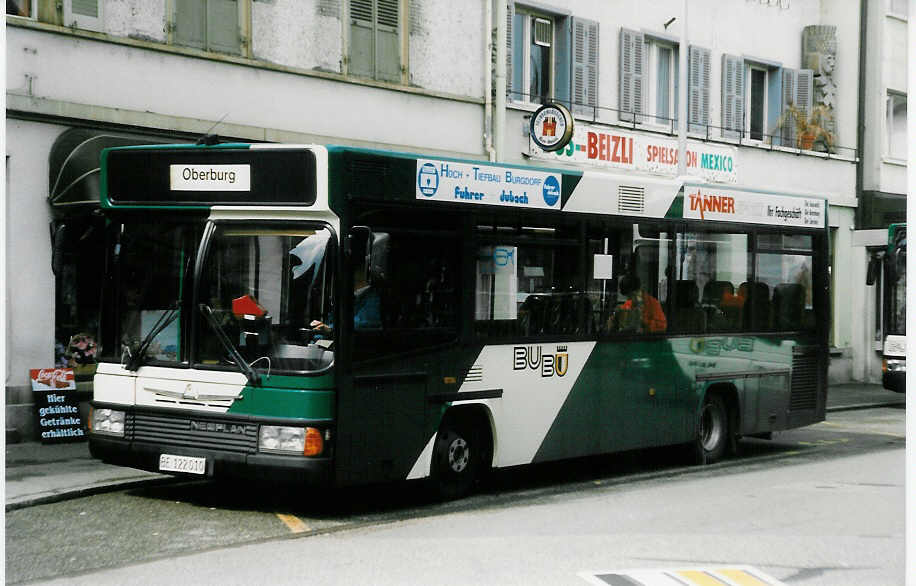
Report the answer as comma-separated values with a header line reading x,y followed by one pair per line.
x,y
187,464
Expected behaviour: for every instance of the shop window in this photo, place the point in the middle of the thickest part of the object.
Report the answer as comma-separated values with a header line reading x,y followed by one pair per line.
x,y
209,25
78,270
375,39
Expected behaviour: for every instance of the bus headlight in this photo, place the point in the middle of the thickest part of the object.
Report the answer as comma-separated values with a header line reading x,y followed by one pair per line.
x,y
107,421
307,441
895,365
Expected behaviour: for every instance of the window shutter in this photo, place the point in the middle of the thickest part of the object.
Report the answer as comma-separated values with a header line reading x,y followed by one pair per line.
x,y
632,68
732,96
520,92
797,90
85,14
191,23
223,26
388,41
698,73
510,80
585,66
361,38
804,91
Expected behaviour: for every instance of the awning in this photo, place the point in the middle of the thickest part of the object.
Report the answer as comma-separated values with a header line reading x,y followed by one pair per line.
x,y
74,165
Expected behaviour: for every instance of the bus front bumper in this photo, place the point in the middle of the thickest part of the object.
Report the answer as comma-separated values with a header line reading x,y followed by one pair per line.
x,y
314,471
894,375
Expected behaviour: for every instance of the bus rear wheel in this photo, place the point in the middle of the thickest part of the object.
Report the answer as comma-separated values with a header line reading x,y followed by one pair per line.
x,y
712,430
458,458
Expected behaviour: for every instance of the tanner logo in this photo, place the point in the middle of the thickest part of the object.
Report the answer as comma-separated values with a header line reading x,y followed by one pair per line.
x,y
722,204
534,358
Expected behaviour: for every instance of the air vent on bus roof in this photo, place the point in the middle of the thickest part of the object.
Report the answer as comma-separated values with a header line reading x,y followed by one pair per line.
x,y
631,200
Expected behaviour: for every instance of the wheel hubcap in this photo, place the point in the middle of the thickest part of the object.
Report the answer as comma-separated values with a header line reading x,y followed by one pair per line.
x,y
711,428
458,455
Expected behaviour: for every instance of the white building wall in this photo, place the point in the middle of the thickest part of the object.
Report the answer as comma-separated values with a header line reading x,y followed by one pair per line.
x,y
298,33
138,19
30,288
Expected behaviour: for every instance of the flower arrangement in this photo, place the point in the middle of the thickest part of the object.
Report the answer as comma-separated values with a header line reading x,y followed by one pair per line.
x,y
810,129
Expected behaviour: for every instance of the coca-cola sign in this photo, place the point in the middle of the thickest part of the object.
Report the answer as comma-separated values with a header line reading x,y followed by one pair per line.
x,y
52,379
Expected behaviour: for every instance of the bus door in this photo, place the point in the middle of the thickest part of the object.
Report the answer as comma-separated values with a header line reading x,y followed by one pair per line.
x,y
403,319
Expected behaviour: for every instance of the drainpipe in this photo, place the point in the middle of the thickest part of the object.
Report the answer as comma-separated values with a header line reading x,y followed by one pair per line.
x,y
488,80
860,114
682,96
499,76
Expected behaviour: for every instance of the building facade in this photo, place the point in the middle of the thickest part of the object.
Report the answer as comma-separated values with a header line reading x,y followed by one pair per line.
x,y
429,76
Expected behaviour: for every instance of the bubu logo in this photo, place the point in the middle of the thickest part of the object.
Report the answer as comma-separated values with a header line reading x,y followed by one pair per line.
x,y
534,358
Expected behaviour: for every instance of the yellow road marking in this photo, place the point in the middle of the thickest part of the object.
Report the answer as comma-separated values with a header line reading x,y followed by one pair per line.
x,y
700,578
741,577
295,524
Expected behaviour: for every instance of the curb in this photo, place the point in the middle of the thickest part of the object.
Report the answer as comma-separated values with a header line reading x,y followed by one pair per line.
x,y
81,491
861,406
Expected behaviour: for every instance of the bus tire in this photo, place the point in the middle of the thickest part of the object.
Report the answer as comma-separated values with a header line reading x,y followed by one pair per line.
x,y
713,430
458,458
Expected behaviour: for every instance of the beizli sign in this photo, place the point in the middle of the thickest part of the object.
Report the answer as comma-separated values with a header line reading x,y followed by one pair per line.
x,y
551,127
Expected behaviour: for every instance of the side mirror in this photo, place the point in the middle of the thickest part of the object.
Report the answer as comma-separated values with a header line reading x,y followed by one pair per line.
x,y
874,270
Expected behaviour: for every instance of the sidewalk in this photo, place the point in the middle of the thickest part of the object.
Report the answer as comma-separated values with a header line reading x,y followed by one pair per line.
x,y
37,473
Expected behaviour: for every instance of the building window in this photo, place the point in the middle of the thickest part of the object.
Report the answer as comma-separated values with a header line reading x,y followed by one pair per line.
x,y
551,57
756,102
533,49
24,8
896,126
663,81
209,25
83,14
375,39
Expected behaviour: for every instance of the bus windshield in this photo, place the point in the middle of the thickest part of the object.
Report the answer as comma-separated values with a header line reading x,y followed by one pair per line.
x,y
262,287
153,262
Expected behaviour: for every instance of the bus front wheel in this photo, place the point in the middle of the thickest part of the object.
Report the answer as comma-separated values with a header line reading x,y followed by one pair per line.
x,y
458,458
712,430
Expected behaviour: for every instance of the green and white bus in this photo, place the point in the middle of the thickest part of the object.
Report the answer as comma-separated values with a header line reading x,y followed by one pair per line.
x,y
340,316
889,266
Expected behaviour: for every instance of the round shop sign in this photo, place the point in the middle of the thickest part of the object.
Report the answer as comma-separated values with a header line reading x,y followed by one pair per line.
x,y
551,127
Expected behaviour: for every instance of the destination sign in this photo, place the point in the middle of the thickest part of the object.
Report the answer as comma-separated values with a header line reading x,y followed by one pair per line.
x,y
210,177
473,183
206,176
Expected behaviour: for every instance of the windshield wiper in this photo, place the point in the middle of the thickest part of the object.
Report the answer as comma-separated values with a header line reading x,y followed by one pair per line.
x,y
253,378
135,361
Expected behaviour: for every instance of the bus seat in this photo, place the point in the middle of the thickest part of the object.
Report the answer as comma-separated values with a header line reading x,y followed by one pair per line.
x,y
713,292
756,305
788,305
688,316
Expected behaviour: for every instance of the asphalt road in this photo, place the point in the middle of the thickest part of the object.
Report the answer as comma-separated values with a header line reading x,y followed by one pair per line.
x,y
835,488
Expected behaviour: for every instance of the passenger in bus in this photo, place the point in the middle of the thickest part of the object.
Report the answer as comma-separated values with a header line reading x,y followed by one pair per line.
x,y
640,312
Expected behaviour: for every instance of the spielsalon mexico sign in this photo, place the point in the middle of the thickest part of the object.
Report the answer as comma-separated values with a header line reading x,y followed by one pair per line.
x,y
611,148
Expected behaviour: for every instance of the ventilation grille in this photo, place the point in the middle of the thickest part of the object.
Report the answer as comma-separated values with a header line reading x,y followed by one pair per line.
x,y
474,375
804,380
543,32
198,432
631,200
